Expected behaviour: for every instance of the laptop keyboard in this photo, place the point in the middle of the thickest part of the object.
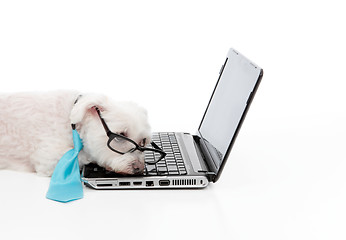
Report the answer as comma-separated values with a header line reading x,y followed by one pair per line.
x,y
173,163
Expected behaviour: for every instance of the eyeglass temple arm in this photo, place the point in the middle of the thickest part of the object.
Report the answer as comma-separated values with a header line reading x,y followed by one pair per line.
x,y
103,121
159,149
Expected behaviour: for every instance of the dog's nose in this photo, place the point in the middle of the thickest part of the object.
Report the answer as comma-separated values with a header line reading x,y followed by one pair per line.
x,y
138,167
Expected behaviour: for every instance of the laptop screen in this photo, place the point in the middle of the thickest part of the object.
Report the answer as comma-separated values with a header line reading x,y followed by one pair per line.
x,y
228,105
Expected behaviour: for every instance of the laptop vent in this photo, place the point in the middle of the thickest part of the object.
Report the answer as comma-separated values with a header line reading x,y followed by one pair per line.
x,y
183,182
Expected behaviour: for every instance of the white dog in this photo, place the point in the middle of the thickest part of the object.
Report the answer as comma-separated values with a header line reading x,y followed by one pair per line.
x,y
35,131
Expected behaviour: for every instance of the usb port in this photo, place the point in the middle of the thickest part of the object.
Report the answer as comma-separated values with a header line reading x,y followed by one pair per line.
x,y
124,183
137,183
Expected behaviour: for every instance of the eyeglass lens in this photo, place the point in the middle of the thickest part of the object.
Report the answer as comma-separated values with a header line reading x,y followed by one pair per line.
x,y
122,145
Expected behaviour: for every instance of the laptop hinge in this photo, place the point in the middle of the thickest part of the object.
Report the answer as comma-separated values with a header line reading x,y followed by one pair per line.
x,y
210,175
209,172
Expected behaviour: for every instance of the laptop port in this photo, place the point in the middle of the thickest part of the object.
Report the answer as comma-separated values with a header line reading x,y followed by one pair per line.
x,y
149,183
124,183
104,184
164,182
137,183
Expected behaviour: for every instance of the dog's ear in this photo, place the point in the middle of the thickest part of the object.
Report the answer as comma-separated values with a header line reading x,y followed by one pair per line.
x,y
86,103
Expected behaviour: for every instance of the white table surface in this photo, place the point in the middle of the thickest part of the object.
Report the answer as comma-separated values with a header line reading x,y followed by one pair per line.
x,y
285,178
280,186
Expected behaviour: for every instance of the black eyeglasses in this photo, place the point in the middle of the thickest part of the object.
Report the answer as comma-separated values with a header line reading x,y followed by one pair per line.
x,y
115,143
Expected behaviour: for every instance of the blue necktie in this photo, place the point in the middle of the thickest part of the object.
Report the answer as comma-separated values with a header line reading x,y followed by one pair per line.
x,y
65,184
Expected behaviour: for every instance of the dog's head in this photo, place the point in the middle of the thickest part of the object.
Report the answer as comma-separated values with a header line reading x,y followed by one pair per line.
x,y
124,118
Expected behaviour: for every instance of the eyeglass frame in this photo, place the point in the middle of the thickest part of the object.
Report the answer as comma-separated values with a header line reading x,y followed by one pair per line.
x,y
111,135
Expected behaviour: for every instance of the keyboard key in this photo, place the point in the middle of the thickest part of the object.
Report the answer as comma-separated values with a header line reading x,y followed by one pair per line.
x,y
161,168
150,167
172,168
183,172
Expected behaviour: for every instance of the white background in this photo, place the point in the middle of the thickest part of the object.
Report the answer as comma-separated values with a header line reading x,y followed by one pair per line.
x,y
285,178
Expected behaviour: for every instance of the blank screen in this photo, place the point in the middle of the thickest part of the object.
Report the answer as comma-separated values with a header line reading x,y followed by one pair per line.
x,y
228,104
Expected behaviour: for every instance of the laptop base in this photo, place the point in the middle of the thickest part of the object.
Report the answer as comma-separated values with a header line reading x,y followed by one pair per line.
x,y
159,182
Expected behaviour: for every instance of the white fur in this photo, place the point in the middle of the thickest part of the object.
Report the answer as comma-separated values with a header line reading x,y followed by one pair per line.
x,y
35,130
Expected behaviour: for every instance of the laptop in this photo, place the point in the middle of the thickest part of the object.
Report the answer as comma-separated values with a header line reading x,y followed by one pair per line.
x,y
194,161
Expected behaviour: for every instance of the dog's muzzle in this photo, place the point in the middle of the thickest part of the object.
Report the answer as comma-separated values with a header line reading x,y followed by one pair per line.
x,y
138,167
